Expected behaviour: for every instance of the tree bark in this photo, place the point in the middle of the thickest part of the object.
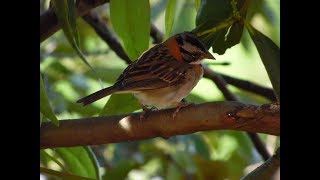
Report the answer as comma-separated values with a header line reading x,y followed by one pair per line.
x,y
226,115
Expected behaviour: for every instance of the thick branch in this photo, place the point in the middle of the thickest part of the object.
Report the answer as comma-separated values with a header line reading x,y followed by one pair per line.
x,y
226,115
48,20
267,170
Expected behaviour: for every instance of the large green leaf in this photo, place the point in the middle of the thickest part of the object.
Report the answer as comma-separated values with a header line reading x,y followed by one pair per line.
x,y
80,161
45,107
218,23
270,55
47,156
66,15
120,104
131,22
169,17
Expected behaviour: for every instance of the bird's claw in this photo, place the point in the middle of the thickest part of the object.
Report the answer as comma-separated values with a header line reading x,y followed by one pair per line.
x,y
179,106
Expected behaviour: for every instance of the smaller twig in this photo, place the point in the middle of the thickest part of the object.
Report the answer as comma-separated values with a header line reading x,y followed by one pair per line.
x,y
260,147
219,81
156,34
93,19
249,86
267,170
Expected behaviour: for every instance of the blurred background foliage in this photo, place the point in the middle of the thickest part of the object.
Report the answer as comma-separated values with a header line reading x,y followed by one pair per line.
x,y
203,155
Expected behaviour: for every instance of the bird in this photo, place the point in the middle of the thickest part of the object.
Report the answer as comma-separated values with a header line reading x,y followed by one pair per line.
x,y
162,76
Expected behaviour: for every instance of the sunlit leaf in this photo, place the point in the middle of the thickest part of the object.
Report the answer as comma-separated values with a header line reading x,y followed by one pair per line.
x,y
46,155
131,22
80,161
120,104
65,11
45,107
197,4
169,17
270,55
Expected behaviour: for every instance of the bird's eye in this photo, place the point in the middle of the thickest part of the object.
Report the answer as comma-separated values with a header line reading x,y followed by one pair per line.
x,y
196,56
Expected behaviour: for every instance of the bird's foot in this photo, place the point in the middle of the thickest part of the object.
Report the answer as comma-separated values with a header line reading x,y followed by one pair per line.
x,y
145,112
179,106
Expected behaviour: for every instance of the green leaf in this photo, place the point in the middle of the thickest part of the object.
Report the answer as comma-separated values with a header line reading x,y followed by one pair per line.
x,y
120,104
200,145
131,22
270,55
43,153
66,15
45,107
41,116
173,172
208,169
169,17
197,4
63,175
121,170
218,23
80,161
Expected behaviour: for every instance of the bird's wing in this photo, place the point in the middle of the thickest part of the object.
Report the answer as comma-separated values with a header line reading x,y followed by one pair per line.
x,y
152,72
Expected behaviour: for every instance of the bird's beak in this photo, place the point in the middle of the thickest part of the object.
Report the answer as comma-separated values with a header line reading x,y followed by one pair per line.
x,y
208,55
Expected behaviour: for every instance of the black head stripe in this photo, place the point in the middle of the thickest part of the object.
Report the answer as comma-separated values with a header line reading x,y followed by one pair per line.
x,y
192,39
179,40
187,55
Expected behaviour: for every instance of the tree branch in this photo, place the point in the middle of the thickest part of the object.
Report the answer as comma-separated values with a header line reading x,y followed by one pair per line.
x,y
220,82
267,170
49,23
249,86
222,85
226,115
103,31
156,34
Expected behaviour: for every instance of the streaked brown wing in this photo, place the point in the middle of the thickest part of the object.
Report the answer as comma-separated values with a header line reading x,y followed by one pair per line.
x,y
151,72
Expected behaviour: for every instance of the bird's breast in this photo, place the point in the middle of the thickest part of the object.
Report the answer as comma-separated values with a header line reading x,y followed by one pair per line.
x,y
172,95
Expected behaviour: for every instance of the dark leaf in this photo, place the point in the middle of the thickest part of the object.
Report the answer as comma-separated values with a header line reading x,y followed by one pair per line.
x,y
270,55
218,24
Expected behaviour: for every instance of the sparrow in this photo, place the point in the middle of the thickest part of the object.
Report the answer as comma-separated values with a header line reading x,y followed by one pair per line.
x,y
162,76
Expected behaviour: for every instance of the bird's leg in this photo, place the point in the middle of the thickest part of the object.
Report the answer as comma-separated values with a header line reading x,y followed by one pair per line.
x,y
144,112
179,106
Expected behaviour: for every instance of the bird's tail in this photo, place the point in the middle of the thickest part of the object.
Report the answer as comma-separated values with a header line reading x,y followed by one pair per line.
x,y
97,95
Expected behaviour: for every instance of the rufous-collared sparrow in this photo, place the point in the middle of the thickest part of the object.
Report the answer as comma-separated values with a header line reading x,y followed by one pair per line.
x,y
163,75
